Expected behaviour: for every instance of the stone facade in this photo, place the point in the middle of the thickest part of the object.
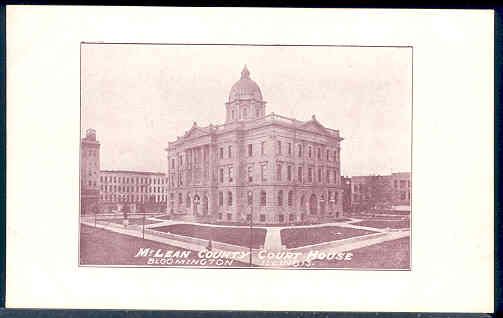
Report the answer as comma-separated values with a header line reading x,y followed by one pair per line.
x,y
270,168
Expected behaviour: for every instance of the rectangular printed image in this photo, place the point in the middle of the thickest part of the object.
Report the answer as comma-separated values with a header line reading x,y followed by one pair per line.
x,y
237,156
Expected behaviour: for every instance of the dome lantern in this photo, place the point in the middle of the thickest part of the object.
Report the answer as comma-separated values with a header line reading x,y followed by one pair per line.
x,y
245,99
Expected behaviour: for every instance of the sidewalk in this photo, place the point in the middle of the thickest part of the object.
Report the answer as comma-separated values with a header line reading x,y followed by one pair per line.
x,y
272,240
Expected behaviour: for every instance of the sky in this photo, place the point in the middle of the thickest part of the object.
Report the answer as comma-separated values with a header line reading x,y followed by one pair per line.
x,y
140,97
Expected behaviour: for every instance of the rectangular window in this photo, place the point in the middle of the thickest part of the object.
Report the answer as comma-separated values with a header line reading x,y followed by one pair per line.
x,y
221,175
310,152
263,172
229,150
281,218
290,198
396,184
310,175
229,216
299,150
280,198
289,173
289,148
278,172
318,154
220,199
328,155
250,174
319,175
291,217
263,198
229,198
299,174
262,148
262,218
219,216
279,147
221,153
250,150
328,176
231,174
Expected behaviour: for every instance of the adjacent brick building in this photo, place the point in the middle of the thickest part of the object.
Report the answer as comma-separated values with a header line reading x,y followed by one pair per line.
x,y
135,189
274,168
117,190
383,190
89,173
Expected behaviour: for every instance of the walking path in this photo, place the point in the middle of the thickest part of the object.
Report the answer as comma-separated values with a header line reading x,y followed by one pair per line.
x,y
272,240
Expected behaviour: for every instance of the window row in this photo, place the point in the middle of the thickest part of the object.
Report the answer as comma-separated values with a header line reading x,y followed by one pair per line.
x,y
403,184
133,180
115,188
133,198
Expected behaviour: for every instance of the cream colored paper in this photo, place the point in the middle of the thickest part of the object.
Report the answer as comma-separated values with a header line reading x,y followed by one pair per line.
x,y
452,223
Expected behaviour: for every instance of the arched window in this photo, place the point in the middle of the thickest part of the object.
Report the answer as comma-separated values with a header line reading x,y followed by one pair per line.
x,y
290,198
263,198
229,198
280,197
245,113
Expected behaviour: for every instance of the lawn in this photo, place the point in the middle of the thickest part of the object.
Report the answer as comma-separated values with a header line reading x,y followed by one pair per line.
x,y
393,254
102,247
236,236
381,224
297,237
135,221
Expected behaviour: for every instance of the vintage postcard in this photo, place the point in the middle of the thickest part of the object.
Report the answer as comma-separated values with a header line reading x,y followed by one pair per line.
x,y
233,156
249,159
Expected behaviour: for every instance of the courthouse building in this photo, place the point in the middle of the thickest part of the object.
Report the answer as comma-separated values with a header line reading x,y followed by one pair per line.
x,y
269,167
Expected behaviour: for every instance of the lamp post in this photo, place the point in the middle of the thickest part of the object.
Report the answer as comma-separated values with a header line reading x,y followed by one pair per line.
x,y
143,226
250,200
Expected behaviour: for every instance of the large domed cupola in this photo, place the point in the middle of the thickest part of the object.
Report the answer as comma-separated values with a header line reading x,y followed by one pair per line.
x,y
245,99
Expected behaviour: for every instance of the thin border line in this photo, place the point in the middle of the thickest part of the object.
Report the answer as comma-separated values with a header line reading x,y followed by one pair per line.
x,y
409,269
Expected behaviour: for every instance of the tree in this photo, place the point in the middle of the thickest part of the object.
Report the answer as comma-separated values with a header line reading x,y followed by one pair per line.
x,y
377,192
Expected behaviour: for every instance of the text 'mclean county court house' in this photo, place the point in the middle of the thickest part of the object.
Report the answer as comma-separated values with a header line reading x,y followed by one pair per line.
x,y
278,169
